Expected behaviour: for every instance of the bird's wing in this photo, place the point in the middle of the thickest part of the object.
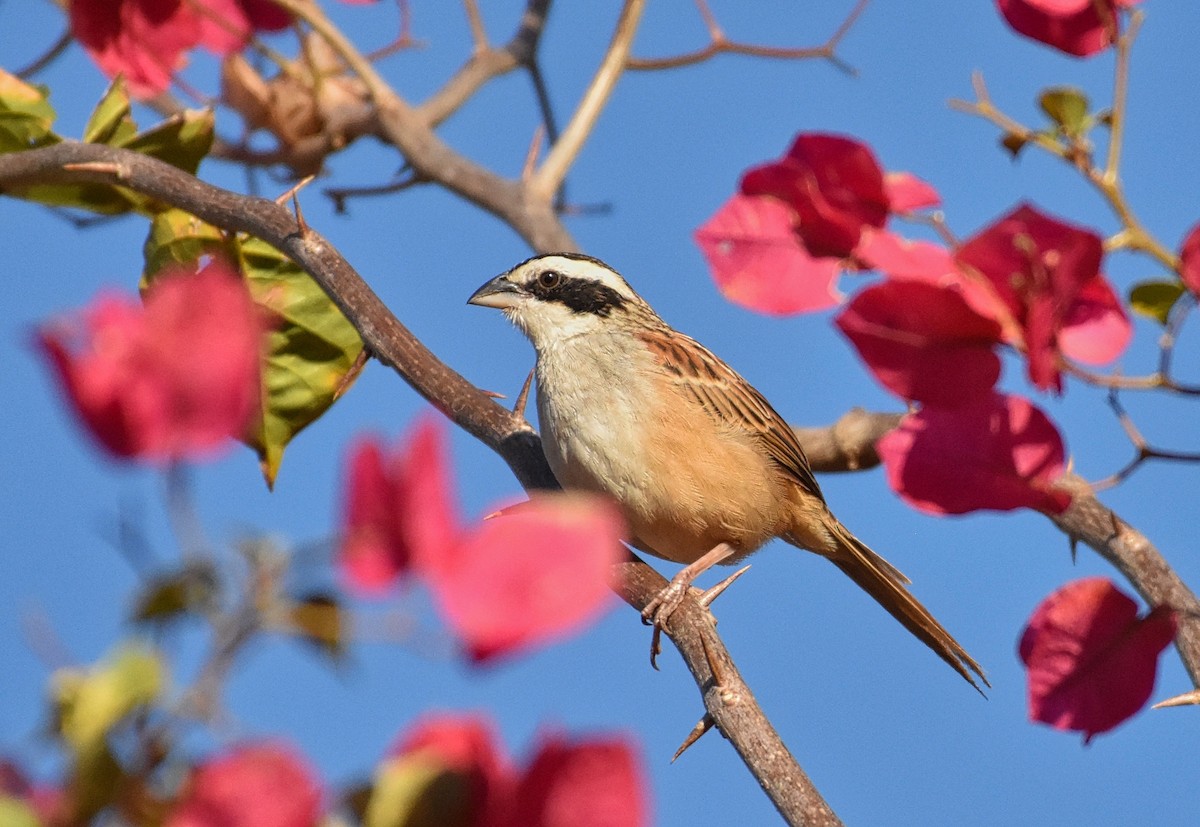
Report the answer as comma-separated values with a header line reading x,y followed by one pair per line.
x,y
730,399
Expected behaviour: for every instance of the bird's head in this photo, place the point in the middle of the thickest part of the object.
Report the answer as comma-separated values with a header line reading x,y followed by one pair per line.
x,y
558,296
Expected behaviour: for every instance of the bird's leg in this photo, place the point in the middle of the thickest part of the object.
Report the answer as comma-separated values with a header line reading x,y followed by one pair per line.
x,y
659,609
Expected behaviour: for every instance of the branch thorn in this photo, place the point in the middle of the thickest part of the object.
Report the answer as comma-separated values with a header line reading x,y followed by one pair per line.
x,y
702,726
716,591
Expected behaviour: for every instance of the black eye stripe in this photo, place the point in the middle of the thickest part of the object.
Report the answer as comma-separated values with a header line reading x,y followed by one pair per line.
x,y
580,295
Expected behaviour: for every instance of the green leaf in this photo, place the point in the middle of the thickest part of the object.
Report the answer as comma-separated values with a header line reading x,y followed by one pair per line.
x,y
179,238
25,115
1154,299
190,590
313,352
16,813
416,791
91,703
319,618
181,140
95,783
98,198
1068,108
111,122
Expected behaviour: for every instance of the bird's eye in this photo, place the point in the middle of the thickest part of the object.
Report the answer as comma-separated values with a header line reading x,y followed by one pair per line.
x,y
549,279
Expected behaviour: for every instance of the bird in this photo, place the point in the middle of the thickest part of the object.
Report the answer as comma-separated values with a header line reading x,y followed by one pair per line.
x,y
703,468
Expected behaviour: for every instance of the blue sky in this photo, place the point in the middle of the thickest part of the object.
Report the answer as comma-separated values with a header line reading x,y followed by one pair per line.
x,y
888,733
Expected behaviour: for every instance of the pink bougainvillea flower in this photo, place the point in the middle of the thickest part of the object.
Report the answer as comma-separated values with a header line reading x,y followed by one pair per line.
x,y
1189,260
923,342
174,377
758,262
907,193
587,783
1095,329
465,747
583,782
146,40
374,553
1039,267
223,26
142,39
901,258
397,507
256,785
531,574
265,15
998,452
1091,660
834,185
1077,27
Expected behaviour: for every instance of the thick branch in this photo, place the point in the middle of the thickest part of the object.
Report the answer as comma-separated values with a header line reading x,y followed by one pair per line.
x,y
729,700
849,443
401,125
1091,522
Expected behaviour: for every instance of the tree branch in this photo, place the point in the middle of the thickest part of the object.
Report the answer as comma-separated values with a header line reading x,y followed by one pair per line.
x,y
401,125
720,44
549,177
726,697
1091,522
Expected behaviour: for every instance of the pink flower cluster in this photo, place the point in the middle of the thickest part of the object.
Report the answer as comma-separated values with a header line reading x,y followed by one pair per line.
x,y
527,574
146,41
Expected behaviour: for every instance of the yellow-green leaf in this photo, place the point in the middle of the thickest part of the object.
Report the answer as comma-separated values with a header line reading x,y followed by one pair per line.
x,y
25,115
319,618
312,354
416,791
190,589
181,140
1068,108
94,784
179,238
16,813
91,703
111,121
1154,299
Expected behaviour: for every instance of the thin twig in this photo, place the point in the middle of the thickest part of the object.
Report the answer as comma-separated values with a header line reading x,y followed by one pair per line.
x,y
475,21
1133,235
49,56
550,176
340,195
1117,119
1142,450
719,44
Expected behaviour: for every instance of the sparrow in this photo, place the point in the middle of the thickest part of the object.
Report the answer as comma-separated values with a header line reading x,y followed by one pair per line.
x,y
704,470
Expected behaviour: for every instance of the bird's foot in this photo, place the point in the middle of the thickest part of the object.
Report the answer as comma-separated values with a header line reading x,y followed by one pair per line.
x,y
660,608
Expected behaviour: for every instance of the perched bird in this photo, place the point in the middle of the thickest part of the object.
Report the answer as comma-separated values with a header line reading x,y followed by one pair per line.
x,y
704,469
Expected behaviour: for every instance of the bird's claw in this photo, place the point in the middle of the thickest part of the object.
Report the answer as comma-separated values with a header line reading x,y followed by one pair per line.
x,y
658,611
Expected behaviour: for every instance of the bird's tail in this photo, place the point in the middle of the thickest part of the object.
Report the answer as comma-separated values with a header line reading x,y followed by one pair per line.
x,y
884,582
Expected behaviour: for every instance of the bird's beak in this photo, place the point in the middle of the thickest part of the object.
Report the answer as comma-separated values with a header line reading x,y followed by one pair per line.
x,y
499,293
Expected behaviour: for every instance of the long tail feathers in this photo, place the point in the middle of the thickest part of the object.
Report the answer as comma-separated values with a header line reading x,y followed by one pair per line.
x,y
880,579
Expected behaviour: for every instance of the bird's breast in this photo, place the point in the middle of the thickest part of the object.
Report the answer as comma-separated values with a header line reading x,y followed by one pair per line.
x,y
612,423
